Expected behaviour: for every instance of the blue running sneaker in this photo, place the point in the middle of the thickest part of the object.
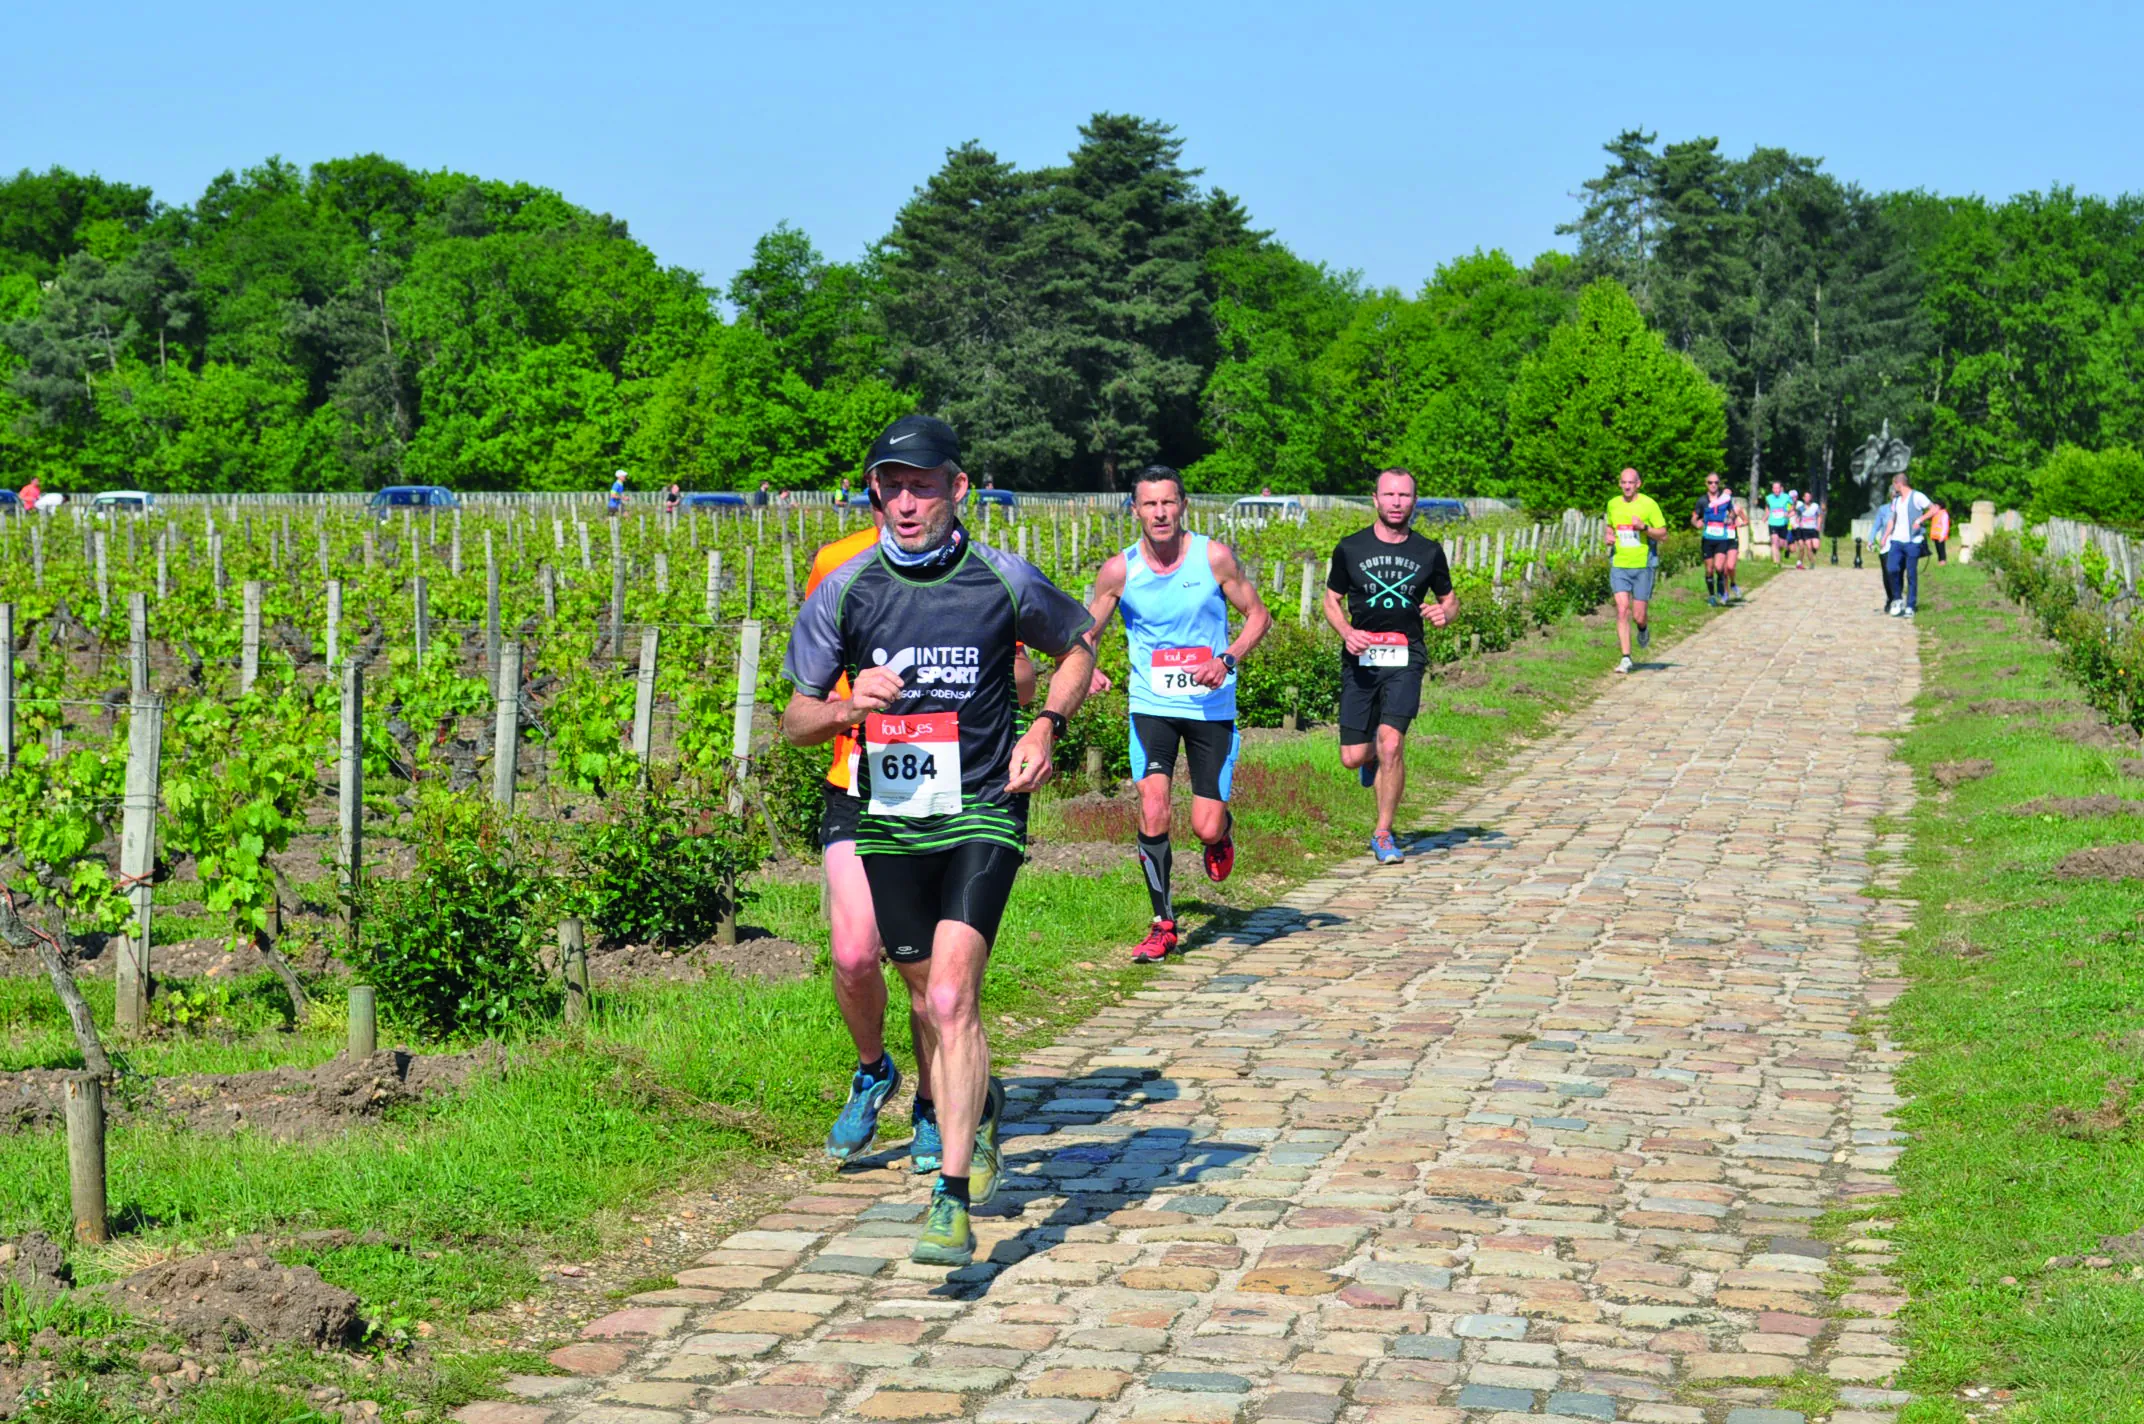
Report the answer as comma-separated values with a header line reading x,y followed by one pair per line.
x,y
1367,772
1386,849
924,1153
858,1124
989,1164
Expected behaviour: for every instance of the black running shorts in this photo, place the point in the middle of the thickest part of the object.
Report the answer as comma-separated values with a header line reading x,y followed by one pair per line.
x,y
911,892
1212,748
1373,697
1719,546
837,823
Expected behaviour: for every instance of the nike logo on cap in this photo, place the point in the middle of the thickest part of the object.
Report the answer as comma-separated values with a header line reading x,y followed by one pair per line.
x,y
895,440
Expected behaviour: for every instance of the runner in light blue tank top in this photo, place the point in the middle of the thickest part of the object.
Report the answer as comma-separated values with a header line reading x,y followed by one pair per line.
x,y
1174,622
1181,681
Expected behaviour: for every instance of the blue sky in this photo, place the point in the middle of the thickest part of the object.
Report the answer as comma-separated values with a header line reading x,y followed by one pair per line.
x,y
1384,137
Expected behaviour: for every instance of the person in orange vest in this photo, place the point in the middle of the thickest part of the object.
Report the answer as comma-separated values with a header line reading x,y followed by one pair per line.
x,y
30,494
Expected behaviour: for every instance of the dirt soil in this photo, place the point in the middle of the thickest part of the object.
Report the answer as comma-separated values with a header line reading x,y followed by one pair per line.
x,y
756,955
232,1298
285,1103
2092,732
1951,773
34,1264
2108,862
2133,768
1080,857
2072,808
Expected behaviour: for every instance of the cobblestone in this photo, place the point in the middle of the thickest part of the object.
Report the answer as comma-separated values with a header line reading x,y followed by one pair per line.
x,y
1531,1122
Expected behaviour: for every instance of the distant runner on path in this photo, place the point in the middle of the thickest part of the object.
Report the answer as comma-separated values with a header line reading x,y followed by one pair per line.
x,y
1175,590
1375,600
1635,528
1716,519
1778,519
1808,529
926,627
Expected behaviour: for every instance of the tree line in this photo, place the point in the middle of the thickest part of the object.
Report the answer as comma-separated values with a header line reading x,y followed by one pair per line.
x,y
360,323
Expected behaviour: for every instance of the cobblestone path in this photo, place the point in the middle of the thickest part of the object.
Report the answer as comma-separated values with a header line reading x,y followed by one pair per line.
x,y
1532,1126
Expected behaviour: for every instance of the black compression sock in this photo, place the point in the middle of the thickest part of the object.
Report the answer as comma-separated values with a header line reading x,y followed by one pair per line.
x,y
954,1187
924,1110
881,1070
1155,859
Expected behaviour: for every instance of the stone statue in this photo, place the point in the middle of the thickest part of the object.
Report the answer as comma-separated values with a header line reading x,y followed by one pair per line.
x,y
1873,465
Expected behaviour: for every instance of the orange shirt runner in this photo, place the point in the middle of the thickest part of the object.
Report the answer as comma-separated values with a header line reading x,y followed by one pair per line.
x,y
828,559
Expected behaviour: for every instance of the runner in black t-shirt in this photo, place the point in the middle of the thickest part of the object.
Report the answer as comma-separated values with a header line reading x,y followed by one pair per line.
x,y
926,627
1385,580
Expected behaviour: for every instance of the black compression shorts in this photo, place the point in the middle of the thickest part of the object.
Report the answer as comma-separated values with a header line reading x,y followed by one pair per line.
x,y
1719,546
1372,697
911,892
1212,748
837,823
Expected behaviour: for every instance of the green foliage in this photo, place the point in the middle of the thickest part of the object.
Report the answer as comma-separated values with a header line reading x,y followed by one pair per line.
x,y
453,948
1603,393
663,867
2101,651
2098,487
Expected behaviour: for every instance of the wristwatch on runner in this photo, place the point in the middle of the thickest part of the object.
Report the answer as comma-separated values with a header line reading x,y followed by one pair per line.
x,y
1055,719
1228,660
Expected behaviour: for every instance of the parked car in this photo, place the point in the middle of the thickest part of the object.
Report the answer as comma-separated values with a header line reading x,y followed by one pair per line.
x,y
10,503
860,500
413,496
130,501
1003,499
713,499
1259,510
1440,511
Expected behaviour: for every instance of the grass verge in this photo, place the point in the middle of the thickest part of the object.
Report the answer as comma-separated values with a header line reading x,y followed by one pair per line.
x,y
2026,1022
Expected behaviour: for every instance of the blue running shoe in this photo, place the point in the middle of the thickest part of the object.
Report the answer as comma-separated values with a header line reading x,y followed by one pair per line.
x,y
858,1124
1367,772
925,1152
1386,849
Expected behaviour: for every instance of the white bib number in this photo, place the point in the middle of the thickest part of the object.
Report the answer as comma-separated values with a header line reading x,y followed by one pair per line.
x,y
1171,673
1386,650
915,763
1715,531
1628,536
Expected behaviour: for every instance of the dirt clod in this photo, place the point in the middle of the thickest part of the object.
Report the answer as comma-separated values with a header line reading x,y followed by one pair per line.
x,y
2099,735
2124,1248
2108,862
1951,773
2022,706
34,1264
760,956
233,1298
2073,808
2111,1118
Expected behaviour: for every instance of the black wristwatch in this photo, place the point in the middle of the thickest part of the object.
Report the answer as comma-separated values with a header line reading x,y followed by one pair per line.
x,y
1228,660
1055,719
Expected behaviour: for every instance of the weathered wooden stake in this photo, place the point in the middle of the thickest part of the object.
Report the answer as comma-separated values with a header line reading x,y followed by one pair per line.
x,y
573,967
334,649
351,793
364,1021
550,595
644,695
85,1157
7,687
137,643
1302,604
249,647
714,585
104,577
751,579
422,626
137,856
506,732
491,612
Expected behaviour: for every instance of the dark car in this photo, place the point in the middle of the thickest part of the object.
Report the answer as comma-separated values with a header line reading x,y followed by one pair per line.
x,y
413,497
10,502
1004,499
713,499
860,500
1441,511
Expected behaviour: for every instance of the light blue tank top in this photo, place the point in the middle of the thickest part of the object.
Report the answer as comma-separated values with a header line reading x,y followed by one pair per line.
x,y
1166,618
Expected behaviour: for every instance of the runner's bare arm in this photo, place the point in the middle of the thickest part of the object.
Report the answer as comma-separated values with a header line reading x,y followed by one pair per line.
x,y
1242,595
1108,592
1031,765
1441,611
1336,614
1023,676
810,721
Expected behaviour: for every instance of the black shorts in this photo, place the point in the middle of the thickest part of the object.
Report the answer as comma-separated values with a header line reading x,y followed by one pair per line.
x,y
837,822
1719,546
969,882
1809,536
1781,534
1378,697
1212,747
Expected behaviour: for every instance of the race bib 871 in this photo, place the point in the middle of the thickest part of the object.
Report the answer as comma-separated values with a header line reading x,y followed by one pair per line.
x,y
1385,650
915,763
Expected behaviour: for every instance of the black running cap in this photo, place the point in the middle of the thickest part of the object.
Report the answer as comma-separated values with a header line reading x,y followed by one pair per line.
x,y
919,440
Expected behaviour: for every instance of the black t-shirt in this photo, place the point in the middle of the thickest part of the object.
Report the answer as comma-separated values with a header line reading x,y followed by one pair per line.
x,y
950,634
1385,583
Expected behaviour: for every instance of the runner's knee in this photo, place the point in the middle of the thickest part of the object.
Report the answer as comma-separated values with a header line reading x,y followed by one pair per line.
x,y
1388,742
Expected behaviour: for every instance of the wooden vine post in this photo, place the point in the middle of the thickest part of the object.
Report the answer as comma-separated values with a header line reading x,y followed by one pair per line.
x,y
137,857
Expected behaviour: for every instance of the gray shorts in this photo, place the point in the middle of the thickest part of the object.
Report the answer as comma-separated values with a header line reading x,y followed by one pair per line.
x,y
1638,583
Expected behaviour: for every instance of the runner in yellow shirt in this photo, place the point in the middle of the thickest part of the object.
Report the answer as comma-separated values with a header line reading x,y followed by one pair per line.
x,y
1635,528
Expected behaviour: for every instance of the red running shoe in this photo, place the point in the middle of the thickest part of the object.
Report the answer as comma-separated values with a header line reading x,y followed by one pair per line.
x,y
1221,859
1160,939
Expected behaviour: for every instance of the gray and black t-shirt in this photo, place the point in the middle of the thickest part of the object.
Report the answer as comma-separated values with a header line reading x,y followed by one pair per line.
x,y
951,634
